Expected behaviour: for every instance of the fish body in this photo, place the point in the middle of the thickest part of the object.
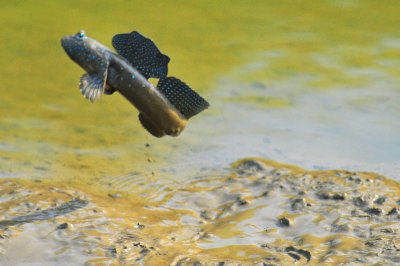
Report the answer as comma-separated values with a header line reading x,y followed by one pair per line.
x,y
163,110
154,108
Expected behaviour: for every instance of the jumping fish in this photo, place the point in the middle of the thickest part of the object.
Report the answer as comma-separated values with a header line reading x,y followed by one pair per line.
x,y
163,110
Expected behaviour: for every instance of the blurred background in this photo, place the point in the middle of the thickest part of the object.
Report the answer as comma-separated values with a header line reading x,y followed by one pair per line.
x,y
316,85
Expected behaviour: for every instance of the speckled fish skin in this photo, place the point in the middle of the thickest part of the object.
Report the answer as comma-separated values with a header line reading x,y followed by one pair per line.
x,y
91,55
155,109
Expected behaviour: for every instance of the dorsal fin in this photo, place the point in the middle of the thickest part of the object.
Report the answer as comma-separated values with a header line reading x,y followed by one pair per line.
x,y
142,53
183,98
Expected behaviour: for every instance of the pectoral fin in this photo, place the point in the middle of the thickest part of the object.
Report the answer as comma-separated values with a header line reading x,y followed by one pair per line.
x,y
150,127
92,85
142,53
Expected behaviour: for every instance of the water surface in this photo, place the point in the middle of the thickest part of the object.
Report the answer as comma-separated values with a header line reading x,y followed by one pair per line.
x,y
313,84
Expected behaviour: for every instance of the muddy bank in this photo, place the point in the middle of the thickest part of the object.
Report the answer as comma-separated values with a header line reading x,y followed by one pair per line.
x,y
262,213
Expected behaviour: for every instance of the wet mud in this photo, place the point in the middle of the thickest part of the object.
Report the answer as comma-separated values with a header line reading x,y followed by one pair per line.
x,y
261,213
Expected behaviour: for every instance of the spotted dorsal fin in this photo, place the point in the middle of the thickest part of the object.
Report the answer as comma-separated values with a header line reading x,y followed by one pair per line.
x,y
142,53
183,98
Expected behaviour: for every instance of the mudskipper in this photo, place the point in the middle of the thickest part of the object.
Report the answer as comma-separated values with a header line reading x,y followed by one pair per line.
x,y
164,109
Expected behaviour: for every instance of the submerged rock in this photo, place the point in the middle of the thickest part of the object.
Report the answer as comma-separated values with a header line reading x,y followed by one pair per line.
x,y
380,200
284,222
394,211
64,226
306,254
299,204
327,195
374,211
250,166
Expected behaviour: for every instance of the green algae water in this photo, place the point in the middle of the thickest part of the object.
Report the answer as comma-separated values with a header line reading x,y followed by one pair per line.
x,y
310,83
48,129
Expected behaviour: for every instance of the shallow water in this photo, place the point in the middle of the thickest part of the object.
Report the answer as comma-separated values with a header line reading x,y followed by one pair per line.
x,y
310,84
313,85
332,216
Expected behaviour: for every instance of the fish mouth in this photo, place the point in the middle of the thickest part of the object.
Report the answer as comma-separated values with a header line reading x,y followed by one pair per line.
x,y
70,44
67,41
64,40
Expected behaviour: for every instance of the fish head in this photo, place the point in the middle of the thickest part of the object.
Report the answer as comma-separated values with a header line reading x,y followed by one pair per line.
x,y
85,51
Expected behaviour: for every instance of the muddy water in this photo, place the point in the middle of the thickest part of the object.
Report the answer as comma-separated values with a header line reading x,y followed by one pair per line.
x,y
261,213
315,86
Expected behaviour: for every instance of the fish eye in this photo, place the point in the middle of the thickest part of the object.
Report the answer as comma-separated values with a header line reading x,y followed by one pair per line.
x,y
81,34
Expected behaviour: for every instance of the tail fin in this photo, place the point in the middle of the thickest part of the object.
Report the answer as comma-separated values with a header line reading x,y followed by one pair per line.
x,y
150,127
183,98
